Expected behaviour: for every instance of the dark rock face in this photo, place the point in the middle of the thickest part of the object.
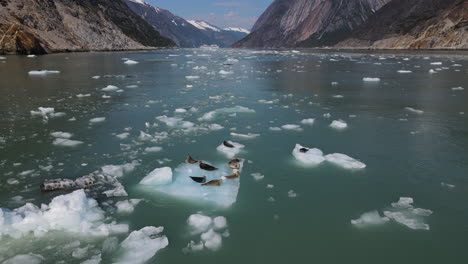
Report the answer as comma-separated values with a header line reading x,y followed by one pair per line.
x,y
181,31
74,25
415,24
288,23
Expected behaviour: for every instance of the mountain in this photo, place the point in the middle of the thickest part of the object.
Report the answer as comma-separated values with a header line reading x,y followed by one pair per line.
x,y
43,26
185,33
380,24
288,23
414,24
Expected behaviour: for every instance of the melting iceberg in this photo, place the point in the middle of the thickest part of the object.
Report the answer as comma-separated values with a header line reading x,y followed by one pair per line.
x,y
142,245
183,187
223,111
369,219
404,213
344,161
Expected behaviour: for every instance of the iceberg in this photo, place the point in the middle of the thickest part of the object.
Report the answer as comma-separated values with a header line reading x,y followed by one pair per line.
x,y
230,152
64,142
312,156
224,111
245,136
159,176
43,72
344,161
338,124
370,219
142,245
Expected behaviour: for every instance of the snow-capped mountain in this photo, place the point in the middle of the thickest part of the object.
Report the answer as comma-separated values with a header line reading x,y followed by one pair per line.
x,y
185,33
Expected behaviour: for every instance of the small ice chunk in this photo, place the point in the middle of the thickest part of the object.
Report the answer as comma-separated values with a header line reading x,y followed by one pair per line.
x,y
292,194
370,79
130,62
404,71
327,115
127,206
212,240
119,170
110,88
93,260
219,222
459,88
63,142
43,72
159,176
222,111
436,63
245,136
370,219
180,110
199,223
414,110
25,259
308,121
230,152
215,127
338,124
142,245
60,134
153,149
257,176
344,161
291,127
274,128
308,156
223,72
191,78
97,120
193,247
123,135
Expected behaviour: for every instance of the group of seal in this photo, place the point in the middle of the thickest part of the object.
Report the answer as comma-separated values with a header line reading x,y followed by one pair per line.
x,y
233,164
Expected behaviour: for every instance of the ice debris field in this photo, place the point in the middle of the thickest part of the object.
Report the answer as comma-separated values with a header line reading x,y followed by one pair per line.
x,y
199,155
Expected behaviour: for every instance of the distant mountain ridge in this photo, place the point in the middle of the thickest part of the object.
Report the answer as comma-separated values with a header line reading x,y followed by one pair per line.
x,y
186,33
393,24
43,26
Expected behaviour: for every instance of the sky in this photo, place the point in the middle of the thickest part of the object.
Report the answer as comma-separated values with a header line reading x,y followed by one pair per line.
x,y
240,13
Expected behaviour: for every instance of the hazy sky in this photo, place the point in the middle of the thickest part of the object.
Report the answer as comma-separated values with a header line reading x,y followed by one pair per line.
x,y
241,13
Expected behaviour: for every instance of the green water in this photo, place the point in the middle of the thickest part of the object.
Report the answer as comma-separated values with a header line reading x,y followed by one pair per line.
x,y
407,154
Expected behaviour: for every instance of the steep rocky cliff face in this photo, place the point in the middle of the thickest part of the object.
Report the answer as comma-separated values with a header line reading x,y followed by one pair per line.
x,y
189,34
42,26
414,24
289,23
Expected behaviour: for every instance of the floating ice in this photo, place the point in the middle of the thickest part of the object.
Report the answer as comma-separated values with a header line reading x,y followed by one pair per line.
x,y
369,79
404,71
312,156
97,120
72,212
127,206
131,62
245,136
43,111
180,110
64,142
175,122
191,78
344,161
25,259
119,170
199,223
142,245
159,176
338,124
404,213
292,194
459,88
291,127
417,111
110,88
212,240
123,135
222,111
436,63
153,149
230,152
327,115
220,222
60,134
308,121
215,127
43,72
275,128
183,187
93,260
369,219
223,72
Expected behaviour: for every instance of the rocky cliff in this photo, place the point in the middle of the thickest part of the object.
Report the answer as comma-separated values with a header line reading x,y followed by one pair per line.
x,y
43,26
288,23
374,24
414,24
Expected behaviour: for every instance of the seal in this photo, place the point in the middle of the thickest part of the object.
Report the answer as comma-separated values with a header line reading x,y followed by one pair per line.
x,y
228,144
233,176
232,164
234,161
198,179
213,183
303,150
190,160
207,167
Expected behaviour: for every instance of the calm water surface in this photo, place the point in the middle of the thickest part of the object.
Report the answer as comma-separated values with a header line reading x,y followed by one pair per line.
x,y
423,155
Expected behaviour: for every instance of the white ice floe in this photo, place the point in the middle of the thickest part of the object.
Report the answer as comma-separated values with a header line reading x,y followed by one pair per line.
x,y
436,63
97,120
96,259
199,223
257,176
223,72
344,161
459,88
327,115
180,110
64,142
224,111
244,136
25,259
119,170
230,152
274,128
292,194
209,228
309,156
60,134
83,95
72,212
404,71
43,111
184,188
370,79
110,88
308,121
212,240
43,72
130,62
159,176
127,206
142,245
414,110
404,213
370,219
215,127
123,135
175,122
153,149
291,127
191,78
338,124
